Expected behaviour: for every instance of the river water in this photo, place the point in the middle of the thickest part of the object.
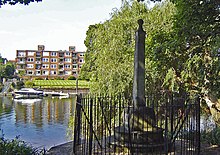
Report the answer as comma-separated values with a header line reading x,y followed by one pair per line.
x,y
42,123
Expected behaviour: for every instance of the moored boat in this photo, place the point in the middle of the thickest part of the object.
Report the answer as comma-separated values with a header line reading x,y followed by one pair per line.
x,y
28,93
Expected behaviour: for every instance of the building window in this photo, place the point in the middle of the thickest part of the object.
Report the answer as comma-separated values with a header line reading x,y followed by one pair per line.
x,y
74,66
45,66
67,72
31,53
45,72
81,60
67,60
29,72
53,60
37,72
74,73
45,53
53,66
45,59
82,55
21,54
30,66
30,59
54,54
53,72
67,53
67,66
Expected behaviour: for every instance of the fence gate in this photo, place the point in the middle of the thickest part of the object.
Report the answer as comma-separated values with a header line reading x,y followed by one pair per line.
x,y
104,125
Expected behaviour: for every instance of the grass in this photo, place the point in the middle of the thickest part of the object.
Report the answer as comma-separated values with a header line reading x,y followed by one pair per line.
x,y
61,83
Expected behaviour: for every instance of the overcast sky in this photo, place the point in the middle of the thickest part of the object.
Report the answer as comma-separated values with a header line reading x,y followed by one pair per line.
x,y
57,24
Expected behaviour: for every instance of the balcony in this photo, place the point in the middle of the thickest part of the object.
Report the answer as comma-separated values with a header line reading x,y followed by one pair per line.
x,y
21,62
21,55
61,69
38,55
75,57
37,62
61,55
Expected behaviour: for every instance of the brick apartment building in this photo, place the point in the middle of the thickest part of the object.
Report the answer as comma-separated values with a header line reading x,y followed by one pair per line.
x,y
48,64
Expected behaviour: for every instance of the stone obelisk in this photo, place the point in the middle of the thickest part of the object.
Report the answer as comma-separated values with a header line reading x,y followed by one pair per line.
x,y
142,118
139,67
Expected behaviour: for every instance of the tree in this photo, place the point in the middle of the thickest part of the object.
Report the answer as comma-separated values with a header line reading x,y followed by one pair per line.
x,y
9,70
13,2
197,30
110,47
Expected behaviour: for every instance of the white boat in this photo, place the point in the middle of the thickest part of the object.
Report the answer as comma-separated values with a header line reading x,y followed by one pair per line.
x,y
57,94
28,93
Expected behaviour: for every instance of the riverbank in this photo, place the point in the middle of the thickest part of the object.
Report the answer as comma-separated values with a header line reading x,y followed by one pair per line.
x,y
67,149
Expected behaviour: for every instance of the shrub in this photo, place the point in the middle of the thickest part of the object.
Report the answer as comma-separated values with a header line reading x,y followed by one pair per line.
x,y
20,84
13,85
29,84
38,78
58,78
1,87
15,146
212,137
71,78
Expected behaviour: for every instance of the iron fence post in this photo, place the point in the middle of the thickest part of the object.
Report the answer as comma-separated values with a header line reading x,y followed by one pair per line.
x,y
77,123
91,127
198,125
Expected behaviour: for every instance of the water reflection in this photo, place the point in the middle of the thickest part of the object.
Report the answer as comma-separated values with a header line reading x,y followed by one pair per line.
x,y
42,122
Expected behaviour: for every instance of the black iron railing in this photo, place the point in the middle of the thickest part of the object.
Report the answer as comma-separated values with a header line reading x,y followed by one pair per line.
x,y
105,125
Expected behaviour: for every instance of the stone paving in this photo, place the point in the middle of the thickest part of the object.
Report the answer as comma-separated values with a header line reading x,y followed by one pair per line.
x,y
67,149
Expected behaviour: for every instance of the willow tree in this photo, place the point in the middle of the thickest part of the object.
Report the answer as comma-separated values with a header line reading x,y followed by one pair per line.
x,y
110,47
197,30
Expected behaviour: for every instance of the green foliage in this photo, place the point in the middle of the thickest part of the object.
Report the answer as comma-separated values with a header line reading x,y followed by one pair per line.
x,y
19,84
15,146
9,70
110,48
13,2
71,78
170,81
1,87
21,73
211,137
182,45
58,78
29,84
39,78
13,85
196,24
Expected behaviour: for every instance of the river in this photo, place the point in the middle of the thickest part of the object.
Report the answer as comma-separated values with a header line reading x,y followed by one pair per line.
x,y
42,123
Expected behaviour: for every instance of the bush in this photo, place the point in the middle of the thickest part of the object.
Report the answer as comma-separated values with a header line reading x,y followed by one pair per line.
x,y
58,78
38,78
29,84
71,78
211,137
13,85
20,84
1,87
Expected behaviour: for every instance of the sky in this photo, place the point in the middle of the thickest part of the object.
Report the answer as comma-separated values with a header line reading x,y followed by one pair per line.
x,y
57,24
